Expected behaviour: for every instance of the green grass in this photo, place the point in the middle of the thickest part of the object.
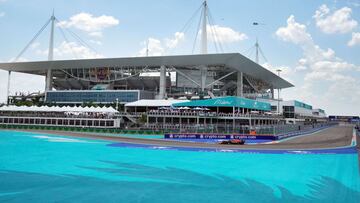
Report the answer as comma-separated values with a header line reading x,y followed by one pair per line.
x,y
80,129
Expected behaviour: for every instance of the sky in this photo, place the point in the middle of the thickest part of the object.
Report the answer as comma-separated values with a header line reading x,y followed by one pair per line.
x,y
316,44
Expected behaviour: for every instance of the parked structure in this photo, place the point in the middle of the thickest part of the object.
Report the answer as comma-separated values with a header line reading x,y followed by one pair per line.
x,y
90,117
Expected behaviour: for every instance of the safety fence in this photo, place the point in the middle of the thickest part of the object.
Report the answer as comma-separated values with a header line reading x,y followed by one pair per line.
x,y
82,129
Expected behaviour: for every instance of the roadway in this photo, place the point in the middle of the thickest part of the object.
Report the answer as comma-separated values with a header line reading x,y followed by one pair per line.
x,y
333,137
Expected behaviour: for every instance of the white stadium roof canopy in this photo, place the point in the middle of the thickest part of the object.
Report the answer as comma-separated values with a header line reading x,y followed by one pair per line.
x,y
154,103
58,109
234,61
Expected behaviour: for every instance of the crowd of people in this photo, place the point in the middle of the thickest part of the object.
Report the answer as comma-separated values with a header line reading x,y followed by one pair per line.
x,y
207,112
94,115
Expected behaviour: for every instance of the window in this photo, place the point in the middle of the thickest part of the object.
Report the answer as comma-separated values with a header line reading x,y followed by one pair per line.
x,y
96,123
289,111
109,123
92,96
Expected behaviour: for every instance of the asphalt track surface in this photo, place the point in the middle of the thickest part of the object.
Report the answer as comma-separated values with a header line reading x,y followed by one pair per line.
x,y
333,137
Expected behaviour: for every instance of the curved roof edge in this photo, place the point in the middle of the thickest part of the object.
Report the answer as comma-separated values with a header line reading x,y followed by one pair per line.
x,y
234,61
229,101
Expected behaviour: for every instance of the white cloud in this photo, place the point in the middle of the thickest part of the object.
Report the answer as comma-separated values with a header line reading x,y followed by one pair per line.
x,y
89,23
35,45
178,37
20,59
97,42
327,80
157,47
96,34
355,39
355,4
340,21
71,50
286,72
154,46
294,32
301,66
224,34
27,83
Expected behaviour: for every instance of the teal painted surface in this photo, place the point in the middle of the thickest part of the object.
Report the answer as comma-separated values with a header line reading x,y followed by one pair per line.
x,y
231,101
134,135
303,105
45,168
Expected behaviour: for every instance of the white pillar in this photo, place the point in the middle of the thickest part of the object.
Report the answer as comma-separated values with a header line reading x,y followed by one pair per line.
x,y
51,42
240,85
233,118
8,88
204,30
203,69
48,82
162,89
257,51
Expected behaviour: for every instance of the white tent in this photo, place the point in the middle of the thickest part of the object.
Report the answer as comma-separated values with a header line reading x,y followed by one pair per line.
x,y
58,109
184,108
154,103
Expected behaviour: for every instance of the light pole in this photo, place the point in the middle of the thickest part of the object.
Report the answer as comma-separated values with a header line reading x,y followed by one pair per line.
x,y
278,107
250,125
257,46
117,104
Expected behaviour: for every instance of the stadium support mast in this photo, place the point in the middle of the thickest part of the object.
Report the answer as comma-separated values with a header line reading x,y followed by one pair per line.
x,y
204,30
204,49
162,86
8,89
278,107
257,51
48,83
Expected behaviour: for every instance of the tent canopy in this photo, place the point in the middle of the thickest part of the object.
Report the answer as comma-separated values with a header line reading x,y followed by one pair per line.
x,y
59,109
154,103
232,101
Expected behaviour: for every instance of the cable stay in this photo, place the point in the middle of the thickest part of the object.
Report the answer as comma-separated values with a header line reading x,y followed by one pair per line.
x,y
191,20
81,41
217,39
255,48
211,22
188,24
67,41
205,15
262,54
32,40
63,34
197,33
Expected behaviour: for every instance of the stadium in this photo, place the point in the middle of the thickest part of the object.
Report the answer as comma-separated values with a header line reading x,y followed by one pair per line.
x,y
224,91
131,79
174,78
173,128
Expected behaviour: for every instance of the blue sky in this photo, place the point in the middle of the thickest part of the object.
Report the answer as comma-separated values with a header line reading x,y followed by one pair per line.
x,y
315,43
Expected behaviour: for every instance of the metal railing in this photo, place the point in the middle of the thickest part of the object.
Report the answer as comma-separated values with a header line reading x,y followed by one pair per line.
x,y
243,129
209,114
